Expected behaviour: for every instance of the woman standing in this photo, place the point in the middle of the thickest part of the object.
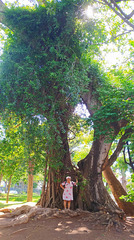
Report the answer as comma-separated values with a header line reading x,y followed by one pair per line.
x,y
67,186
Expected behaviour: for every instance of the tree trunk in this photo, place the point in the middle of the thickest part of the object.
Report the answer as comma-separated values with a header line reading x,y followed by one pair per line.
x,y
30,183
9,185
118,191
95,197
52,196
43,193
1,176
123,180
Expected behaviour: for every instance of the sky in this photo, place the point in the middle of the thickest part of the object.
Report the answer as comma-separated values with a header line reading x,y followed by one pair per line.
x,y
21,2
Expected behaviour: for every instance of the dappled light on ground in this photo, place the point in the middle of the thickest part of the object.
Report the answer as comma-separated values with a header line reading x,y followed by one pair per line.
x,y
67,225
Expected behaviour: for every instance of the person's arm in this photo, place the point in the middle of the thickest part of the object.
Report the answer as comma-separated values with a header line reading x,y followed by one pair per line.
x,y
61,186
75,183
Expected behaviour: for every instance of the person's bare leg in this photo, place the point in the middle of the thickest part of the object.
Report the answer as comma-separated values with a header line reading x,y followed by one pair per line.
x,y
69,203
65,204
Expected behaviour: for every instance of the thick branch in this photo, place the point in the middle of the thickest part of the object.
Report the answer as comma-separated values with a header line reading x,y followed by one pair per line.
x,y
90,100
118,149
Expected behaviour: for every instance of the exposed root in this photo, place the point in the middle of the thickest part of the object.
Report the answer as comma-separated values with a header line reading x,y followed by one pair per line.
x,y
107,219
24,213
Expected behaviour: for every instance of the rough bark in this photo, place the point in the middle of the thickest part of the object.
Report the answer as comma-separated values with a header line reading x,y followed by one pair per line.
x,y
118,191
9,185
115,186
43,193
52,196
95,197
30,183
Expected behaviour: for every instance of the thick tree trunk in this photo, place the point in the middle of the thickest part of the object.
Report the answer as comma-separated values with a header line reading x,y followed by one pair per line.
x,y
9,185
95,197
118,191
52,196
30,183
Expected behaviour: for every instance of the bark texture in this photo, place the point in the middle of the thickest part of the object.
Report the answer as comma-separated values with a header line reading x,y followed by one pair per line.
x,y
118,191
95,197
52,195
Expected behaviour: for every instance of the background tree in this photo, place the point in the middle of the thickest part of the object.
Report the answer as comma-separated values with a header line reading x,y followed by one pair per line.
x,y
12,151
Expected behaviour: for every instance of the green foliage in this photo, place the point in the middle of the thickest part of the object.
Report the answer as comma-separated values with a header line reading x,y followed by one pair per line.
x,y
80,139
130,195
24,141
12,150
42,58
44,65
116,105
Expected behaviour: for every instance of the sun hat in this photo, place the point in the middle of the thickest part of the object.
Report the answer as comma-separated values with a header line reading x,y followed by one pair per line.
x,y
68,177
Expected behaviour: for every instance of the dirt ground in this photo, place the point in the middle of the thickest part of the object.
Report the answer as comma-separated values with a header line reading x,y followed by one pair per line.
x,y
65,227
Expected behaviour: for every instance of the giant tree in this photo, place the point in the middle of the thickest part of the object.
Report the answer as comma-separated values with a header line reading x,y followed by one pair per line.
x,y
46,68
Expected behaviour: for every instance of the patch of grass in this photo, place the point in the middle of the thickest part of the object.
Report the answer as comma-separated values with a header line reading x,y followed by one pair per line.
x,y
18,197
3,205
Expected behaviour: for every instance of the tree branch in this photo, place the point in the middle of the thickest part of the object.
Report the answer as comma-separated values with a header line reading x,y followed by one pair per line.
x,y
119,13
125,15
123,1
118,149
130,163
2,10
